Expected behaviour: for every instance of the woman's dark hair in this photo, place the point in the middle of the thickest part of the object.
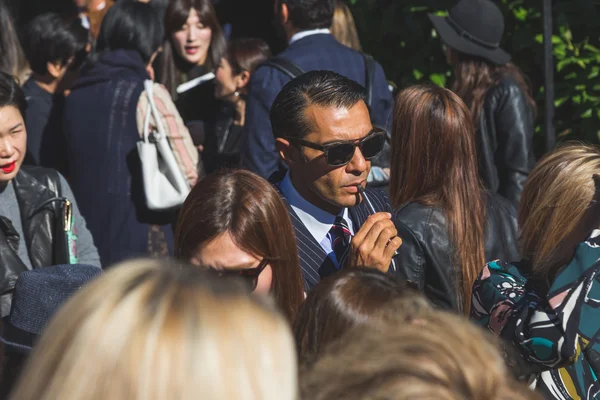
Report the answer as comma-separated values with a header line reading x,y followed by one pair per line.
x,y
11,93
474,77
320,88
131,26
246,54
49,38
172,68
309,14
247,207
434,163
354,296
12,59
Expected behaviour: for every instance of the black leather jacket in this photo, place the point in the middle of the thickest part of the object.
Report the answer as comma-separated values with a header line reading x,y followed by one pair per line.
x,y
505,135
36,189
426,253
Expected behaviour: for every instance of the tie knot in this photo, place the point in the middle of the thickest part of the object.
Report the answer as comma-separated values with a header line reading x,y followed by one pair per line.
x,y
340,223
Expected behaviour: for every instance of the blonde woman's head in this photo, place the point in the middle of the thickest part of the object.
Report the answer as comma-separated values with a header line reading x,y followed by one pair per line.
x,y
555,212
151,331
343,27
438,356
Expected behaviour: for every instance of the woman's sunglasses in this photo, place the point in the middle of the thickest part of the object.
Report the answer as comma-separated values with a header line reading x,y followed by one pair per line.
x,y
250,275
340,153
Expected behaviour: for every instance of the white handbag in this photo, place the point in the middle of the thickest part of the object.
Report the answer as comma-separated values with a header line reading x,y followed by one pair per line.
x,y
165,186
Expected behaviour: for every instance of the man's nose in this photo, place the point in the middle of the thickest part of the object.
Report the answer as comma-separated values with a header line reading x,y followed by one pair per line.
x,y
358,164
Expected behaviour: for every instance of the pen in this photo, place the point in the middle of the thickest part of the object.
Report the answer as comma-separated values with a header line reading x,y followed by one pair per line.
x,y
361,190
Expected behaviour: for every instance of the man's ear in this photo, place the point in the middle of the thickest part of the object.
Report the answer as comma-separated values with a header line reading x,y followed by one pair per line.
x,y
288,153
243,79
56,69
285,13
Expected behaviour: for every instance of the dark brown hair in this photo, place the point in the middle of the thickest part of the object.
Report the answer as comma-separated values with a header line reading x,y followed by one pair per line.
x,y
246,54
349,298
249,209
172,67
433,162
474,77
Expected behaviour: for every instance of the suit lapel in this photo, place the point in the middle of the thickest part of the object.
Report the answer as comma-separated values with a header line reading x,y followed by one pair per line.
x,y
311,254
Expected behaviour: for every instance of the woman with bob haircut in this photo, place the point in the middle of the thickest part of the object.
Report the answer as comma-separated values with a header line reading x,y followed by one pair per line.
x,y
442,356
236,224
450,226
155,331
349,298
224,129
547,304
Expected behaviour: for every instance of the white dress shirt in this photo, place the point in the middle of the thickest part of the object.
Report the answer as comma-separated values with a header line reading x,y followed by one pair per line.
x,y
317,221
303,34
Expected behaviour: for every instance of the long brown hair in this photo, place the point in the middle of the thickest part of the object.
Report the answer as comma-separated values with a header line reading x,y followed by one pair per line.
x,y
249,209
474,77
433,162
554,212
352,297
172,68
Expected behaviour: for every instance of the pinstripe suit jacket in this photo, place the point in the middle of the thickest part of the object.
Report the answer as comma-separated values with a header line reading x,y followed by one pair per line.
x,y
314,262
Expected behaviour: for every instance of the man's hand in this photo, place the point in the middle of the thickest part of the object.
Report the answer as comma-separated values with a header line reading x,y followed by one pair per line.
x,y
374,244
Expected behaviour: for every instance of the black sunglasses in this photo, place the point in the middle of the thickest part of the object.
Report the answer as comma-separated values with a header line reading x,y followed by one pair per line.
x,y
250,275
340,153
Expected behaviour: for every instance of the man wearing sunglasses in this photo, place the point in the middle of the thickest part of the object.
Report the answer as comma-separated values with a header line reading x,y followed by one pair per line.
x,y
324,135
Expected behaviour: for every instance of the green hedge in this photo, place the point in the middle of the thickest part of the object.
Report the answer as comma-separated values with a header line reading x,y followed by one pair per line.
x,y
400,36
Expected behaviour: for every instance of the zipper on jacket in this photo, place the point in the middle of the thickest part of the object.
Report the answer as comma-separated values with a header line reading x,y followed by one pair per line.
x,y
68,215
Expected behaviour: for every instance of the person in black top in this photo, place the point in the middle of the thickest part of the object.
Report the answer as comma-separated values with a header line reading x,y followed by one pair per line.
x,y
53,48
222,146
496,92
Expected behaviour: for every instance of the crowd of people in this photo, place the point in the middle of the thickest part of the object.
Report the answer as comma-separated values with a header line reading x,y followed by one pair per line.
x,y
187,212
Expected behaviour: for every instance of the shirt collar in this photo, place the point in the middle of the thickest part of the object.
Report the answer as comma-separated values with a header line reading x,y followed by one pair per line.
x,y
303,34
317,221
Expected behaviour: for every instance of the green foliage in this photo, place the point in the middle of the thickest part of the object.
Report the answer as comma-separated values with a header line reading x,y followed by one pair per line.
x,y
399,35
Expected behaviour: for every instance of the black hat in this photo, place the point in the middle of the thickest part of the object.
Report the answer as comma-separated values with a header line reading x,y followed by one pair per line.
x,y
473,27
38,295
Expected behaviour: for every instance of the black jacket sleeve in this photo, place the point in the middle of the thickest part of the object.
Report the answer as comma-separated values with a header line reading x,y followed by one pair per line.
x,y
506,135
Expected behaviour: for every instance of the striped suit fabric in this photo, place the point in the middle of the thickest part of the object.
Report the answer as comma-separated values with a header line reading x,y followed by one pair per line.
x,y
314,262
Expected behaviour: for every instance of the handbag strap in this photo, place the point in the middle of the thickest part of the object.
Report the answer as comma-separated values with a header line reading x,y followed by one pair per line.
x,y
152,111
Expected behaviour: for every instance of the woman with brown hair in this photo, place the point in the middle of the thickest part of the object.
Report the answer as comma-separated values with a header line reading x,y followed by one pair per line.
x,y
496,92
547,304
351,297
223,130
235,223
448,224
193,47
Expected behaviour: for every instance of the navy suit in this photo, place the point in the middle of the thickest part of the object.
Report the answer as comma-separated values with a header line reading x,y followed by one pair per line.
x,y
314,262
315,52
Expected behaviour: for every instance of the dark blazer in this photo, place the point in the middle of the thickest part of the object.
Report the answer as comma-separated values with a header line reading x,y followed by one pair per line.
x,y
316,52
425,256
505,140
314,262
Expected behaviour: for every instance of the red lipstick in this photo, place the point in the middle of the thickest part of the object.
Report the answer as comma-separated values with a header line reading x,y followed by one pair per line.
x,y
7,169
